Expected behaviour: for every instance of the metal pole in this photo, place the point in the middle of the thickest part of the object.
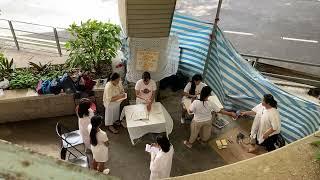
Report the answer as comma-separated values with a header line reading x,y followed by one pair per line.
x,y
14,35
57,40
213,36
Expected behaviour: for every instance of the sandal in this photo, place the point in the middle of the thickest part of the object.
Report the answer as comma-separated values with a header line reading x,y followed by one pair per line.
x,y
187,144
113,130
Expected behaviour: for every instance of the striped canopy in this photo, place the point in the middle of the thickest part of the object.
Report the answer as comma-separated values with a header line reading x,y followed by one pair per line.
x,y
236,83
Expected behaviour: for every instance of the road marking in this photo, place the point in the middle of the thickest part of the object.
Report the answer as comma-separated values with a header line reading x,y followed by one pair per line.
x,y
303,40
241,33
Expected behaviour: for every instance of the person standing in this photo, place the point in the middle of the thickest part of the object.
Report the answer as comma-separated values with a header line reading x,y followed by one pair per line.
x,y
266,125
201,123
161,161
145,90
99,144
113,92
84,113
191,91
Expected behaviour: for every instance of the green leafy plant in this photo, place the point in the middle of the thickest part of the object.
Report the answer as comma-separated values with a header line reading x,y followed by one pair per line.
x,y
5,66
40,68
317,144
93,44
23,78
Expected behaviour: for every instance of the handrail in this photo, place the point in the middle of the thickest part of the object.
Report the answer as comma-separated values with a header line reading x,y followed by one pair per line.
x,y
281,60
2,19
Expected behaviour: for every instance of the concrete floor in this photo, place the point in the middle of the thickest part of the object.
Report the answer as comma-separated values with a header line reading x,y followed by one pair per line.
x,y
126,161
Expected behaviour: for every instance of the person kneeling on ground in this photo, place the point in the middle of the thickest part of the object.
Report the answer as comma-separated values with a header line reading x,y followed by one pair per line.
x,y
202,121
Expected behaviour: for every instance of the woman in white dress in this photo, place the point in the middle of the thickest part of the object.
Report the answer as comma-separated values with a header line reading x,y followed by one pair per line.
x,y
161,161
99,144
113,92
266,125
84,113
191,91
145,90
201,124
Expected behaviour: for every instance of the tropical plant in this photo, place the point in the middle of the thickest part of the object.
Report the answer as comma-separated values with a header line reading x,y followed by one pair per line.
x,y
23,78
93,44
41,68
5,66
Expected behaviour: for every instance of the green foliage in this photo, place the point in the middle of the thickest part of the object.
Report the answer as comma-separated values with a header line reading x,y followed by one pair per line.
x,y
52,74
93,43
317,144
5,66
22,79
40,68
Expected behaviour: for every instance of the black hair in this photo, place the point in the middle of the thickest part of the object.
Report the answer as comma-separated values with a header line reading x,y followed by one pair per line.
x,y
146,76
113,76
96,121
164,143
196,77
268,99
83,109
205,92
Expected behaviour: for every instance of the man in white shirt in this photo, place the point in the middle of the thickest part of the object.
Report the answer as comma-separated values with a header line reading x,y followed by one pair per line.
x,y
145,90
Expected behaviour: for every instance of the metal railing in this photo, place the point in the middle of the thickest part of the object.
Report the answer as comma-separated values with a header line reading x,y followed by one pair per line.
x,y
35,35
309,81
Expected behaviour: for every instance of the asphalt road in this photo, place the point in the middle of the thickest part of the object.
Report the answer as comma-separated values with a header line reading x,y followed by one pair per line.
x,y
287,29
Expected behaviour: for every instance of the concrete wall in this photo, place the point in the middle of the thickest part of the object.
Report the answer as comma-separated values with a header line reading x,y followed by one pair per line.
x,y
44,106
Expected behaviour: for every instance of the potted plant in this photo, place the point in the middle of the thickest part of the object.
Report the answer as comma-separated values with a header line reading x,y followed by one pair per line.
x,y
92,46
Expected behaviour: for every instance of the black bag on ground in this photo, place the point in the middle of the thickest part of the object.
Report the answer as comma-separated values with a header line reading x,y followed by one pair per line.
x,y
176,82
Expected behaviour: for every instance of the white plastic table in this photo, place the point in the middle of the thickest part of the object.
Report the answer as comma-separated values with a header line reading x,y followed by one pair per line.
x,y
159,120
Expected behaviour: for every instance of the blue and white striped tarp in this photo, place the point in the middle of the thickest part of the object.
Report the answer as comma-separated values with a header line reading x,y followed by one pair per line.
x,y
237,84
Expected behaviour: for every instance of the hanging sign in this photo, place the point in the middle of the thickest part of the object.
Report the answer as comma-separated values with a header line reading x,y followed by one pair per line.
x,y
147,60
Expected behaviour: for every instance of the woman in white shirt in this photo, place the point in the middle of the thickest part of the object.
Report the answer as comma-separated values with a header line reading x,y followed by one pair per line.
x,y
145,90
191,91
266,125
113,92
201,123
161,161
99,144
84,113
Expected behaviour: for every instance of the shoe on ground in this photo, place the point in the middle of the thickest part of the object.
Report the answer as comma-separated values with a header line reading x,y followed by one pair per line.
x,y
106,171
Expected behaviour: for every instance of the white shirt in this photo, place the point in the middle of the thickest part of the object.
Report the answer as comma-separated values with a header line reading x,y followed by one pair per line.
x,y
202,111
269,118
141,86
100,151
160,164
198,87
83,127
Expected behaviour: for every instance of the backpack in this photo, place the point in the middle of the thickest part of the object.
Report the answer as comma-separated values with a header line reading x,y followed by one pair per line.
x,y
45,87
67,84
55,86
39,87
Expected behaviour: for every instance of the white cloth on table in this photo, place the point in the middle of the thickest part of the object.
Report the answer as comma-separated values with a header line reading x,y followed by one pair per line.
x,y
100,151
159,120
83,128
160,164
112,109
141,86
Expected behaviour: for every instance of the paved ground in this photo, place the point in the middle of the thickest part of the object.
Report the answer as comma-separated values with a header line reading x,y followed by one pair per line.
x,y
257,27
126,161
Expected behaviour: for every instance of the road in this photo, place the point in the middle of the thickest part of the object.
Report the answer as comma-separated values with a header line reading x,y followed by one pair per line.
x,y
287,29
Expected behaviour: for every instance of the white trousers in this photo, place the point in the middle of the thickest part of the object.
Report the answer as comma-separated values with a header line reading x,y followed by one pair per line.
x,y
112,113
